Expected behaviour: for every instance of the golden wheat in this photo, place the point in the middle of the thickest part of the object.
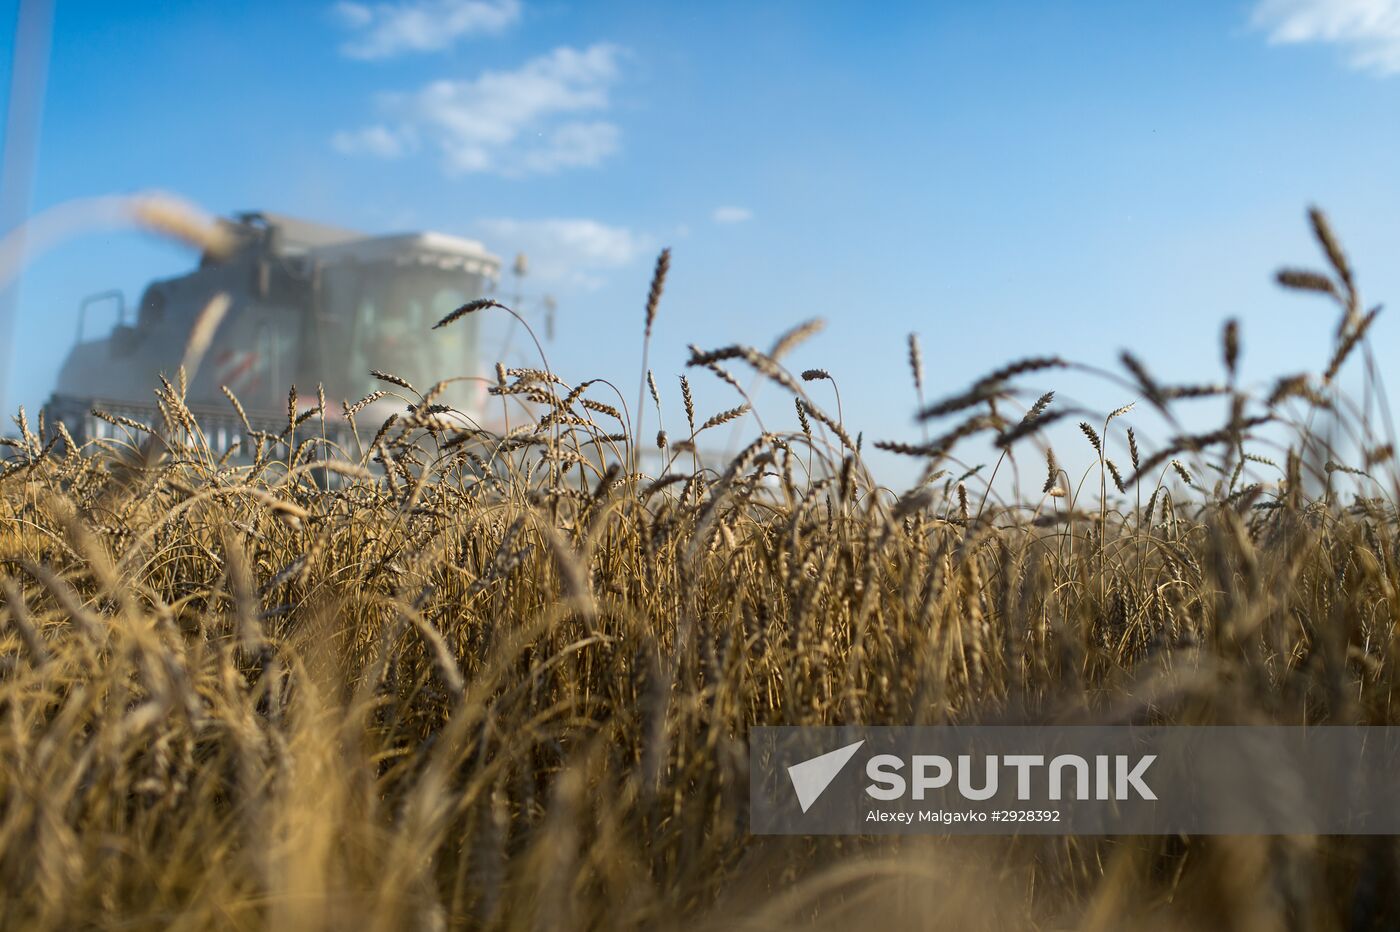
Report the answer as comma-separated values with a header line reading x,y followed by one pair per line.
x,y
503,681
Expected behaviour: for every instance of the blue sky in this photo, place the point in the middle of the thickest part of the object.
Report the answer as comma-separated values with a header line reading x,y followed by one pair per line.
x,y
1006,179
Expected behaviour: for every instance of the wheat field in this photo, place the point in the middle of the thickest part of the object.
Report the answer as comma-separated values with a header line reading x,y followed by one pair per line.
x,y
449,678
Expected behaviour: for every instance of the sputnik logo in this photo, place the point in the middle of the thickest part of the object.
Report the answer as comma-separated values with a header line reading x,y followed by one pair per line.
x,y
811,777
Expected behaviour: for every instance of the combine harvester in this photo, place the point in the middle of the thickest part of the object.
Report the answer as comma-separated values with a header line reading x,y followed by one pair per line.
x,y
311,306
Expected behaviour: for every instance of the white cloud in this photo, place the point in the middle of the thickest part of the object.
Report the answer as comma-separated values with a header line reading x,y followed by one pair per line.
x,y
565,252
508,122
387,29
573,145
731,214
378,141
1369,30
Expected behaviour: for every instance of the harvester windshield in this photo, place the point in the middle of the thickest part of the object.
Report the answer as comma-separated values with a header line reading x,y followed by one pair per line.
x,y
392,323
386,313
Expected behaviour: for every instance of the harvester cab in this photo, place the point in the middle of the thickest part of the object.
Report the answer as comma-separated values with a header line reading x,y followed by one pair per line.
x,y
309,305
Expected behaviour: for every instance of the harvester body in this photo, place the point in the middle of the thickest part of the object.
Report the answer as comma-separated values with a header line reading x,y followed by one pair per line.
x,y
310,306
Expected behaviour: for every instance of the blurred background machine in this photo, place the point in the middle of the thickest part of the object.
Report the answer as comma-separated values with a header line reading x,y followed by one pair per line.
x,y
310,305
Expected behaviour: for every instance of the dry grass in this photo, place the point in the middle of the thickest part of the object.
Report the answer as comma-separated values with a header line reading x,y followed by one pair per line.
x,y
505,681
